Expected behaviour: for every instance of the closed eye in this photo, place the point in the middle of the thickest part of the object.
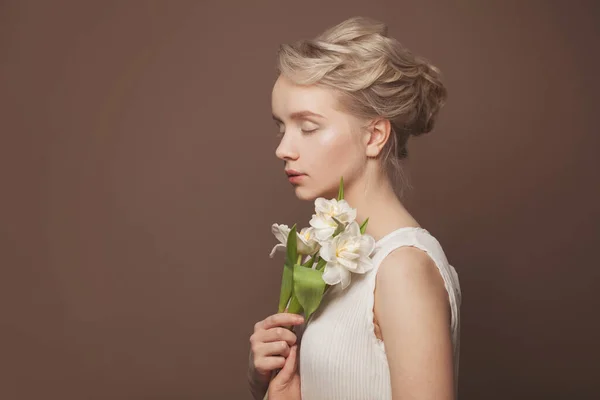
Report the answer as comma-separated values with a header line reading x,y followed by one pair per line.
x,y
307,127
281,129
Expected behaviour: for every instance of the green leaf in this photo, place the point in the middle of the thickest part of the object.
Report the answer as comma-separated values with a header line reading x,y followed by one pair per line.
x,y
287,284
321,264
341,189
295,307
309,263
363,226
287,280
340,227
292,247
308,288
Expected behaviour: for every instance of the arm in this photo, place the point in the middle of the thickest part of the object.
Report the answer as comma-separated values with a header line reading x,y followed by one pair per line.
x,y
258,384
413,312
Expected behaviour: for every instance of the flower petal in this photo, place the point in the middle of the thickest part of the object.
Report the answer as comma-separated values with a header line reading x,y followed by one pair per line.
x,y
321,205
324,234
352,215
347,264
332,274
327,252
306,233
345,277
364,264
281,232
277,247
353,229
319,222
307,247
367,245
350,256
344,212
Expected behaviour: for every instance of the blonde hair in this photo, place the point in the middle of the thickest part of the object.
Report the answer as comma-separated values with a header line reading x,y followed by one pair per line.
x,y
374,74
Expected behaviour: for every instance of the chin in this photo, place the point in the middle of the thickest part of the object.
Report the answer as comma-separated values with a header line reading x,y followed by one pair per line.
x,y
305,194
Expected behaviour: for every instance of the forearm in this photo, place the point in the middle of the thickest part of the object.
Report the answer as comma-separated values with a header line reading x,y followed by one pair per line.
x,y
258,389
258,383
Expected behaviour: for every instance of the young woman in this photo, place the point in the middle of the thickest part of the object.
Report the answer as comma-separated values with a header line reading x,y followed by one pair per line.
x,y
346,104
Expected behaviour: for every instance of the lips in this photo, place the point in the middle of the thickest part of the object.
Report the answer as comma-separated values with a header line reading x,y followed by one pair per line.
x,y
290,173
295,177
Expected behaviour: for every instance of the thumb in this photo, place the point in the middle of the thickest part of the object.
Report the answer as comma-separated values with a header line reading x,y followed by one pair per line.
x,y
290,367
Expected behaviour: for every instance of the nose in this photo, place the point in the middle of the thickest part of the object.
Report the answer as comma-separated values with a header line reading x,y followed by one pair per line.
x,y
286,150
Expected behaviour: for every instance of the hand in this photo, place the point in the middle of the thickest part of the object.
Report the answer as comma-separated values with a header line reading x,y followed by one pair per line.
x,y
271,343
286,385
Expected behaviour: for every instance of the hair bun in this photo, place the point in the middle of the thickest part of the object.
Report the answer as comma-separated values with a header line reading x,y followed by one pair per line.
x,y
430,98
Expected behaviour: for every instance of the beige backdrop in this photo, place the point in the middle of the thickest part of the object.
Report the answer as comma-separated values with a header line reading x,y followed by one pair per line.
x,y
139,184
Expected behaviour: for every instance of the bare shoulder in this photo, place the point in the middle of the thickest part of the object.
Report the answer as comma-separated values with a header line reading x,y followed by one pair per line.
x,y
407,267
408,279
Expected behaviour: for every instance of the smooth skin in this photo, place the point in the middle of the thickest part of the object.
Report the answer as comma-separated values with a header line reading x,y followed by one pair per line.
x,y
271,345
411,308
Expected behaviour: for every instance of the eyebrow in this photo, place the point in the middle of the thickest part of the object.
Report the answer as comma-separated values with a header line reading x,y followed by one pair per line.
x,y
301,115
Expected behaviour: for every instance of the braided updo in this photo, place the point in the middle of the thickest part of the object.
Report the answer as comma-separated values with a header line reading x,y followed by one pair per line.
x,y
374,75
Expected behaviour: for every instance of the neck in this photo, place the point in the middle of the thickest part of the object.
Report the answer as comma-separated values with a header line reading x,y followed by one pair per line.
x,y
373,197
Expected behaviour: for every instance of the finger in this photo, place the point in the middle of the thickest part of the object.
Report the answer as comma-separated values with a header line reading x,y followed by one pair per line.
x,y
273,349
276,335
282,319
273,335
289,368
267,364
259,325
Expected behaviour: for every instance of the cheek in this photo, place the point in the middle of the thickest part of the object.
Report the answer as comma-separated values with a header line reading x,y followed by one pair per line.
x,y
335,151
335,144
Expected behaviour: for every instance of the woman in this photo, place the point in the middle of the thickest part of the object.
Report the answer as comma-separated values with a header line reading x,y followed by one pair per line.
x,y
346,104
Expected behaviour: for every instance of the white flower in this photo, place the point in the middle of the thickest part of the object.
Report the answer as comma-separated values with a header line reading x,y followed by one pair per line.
x,y
306,241
347,252
325,211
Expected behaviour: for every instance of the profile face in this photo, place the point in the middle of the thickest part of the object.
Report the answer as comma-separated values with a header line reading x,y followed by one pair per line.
x,y
319,141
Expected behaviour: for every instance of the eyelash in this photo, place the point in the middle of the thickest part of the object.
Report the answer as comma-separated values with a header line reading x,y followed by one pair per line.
x,y
306,132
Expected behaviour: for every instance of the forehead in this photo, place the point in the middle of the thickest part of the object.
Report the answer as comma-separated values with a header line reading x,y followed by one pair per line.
x,y
288,97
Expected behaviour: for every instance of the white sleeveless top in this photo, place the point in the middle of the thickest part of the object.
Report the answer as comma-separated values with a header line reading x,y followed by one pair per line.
x,y
340,356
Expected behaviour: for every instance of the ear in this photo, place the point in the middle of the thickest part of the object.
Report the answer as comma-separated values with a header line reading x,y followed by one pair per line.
x,y
378,134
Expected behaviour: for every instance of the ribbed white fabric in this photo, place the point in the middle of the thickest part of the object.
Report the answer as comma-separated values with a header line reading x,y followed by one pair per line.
x,y
340,356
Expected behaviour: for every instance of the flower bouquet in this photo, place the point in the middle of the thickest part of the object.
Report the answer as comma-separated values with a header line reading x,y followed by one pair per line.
x,y
322,255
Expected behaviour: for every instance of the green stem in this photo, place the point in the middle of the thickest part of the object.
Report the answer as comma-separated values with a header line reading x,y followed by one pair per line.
x,y
321,264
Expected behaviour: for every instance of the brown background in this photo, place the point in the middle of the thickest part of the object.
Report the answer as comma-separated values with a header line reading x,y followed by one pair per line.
x,y
139,183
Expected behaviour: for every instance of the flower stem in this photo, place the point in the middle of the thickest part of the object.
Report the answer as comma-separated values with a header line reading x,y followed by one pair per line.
x,y
321,264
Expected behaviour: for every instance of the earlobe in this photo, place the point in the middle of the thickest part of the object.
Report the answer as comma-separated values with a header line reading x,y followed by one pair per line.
x,y
379,133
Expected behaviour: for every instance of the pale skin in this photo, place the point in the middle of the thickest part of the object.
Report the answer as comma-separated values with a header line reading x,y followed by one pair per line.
x,y
411,308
